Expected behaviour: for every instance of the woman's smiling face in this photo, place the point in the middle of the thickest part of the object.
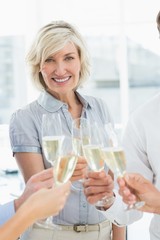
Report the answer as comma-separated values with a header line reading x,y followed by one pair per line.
x,y
61,71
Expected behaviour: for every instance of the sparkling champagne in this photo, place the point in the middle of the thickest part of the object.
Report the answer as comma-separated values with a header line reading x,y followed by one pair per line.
x,y
51,146
64,168
85,140
115,160
77,146
94,157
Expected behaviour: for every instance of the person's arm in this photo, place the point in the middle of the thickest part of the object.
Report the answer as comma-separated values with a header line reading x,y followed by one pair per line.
x,y
7,210
118,233
43,179
33,209
97,186
29,164
137,188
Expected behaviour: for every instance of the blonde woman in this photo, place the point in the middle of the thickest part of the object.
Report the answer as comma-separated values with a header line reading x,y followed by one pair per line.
x,y
59,65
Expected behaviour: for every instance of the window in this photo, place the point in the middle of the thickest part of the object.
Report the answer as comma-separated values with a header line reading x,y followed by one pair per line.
x,y
123,43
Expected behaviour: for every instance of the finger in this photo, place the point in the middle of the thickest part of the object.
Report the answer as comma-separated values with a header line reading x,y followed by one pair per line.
x,y
96,190
127,195
81,165
46,184
121,182
77,177
124,191
66,187
95,198
82,160
134,178
43,175
103,182
79,171
96,175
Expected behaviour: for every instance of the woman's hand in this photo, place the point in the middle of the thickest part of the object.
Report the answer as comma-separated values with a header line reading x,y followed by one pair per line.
x,y
53,199
43,179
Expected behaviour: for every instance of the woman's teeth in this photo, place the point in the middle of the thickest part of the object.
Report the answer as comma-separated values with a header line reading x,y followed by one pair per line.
x,y
61,80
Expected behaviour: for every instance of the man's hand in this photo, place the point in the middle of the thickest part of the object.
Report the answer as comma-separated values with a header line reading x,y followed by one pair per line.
x,y
98,185
134,187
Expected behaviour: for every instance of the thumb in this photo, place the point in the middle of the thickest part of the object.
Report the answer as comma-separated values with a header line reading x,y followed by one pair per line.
x,y
135,181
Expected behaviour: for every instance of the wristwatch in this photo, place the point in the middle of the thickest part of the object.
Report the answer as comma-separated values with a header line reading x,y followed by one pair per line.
x,y
108,202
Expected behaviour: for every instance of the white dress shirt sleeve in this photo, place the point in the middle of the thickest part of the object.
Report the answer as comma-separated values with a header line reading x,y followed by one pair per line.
x,y
6,212
118,215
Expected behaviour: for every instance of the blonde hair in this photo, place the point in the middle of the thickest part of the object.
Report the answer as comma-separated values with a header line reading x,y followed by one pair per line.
x,y
50,39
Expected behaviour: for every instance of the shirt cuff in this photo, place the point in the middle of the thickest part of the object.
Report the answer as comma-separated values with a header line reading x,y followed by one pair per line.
x,y
6,212
117,214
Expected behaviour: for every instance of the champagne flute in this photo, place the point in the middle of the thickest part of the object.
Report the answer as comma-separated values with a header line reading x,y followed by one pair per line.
x,y
52,139
92,148
79,125
52,136
114,157
93,154
66,162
